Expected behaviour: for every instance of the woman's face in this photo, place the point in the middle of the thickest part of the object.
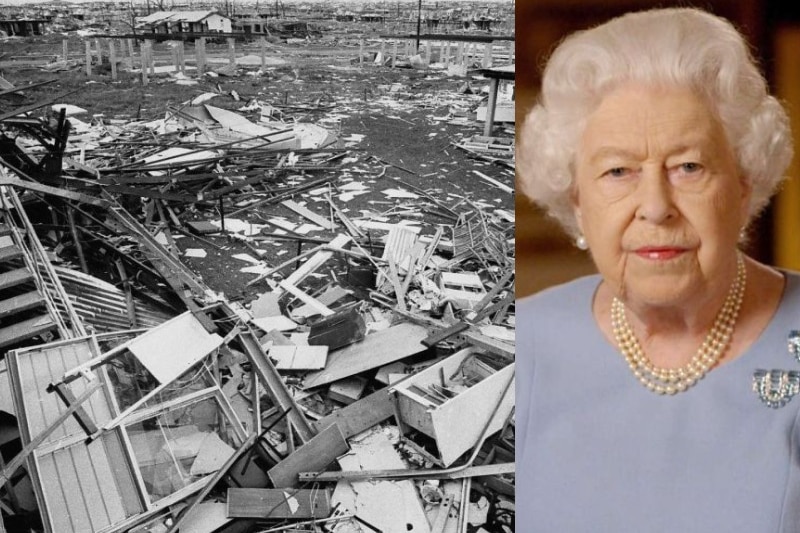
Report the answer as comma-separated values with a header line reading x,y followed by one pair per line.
x,y
658,196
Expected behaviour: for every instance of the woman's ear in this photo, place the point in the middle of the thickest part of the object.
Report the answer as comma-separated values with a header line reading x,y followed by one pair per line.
x,y
576,209
746,185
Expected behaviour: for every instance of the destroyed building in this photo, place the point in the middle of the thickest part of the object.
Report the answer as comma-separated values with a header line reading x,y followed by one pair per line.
x,y
361,379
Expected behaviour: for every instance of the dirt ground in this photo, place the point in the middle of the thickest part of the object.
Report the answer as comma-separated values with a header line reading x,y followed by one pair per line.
x,y
404,115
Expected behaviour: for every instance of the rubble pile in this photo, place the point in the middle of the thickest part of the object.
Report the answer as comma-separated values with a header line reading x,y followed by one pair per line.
x,y
362,380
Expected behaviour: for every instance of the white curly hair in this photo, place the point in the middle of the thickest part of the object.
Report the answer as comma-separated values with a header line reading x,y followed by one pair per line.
x,y
684,47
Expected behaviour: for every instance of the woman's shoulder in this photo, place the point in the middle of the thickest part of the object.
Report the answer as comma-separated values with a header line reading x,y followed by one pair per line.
x,y
791,291
567,296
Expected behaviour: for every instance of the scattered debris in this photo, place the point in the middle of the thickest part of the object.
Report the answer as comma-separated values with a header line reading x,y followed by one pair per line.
x,y
360,375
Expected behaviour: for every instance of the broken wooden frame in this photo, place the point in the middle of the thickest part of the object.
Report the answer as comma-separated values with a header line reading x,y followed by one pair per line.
x,y
449,401
152,362
111,483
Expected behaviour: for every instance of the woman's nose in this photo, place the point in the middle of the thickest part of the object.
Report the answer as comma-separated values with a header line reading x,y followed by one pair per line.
x,y
654,195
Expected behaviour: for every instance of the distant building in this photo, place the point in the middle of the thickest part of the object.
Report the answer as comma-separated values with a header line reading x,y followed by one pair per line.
x,y
372,17
174,22
22,27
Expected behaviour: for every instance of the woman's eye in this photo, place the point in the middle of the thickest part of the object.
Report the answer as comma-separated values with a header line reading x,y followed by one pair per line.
x,y
617,172
691,167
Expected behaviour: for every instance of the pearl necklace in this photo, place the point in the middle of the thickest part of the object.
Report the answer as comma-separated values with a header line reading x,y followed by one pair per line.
x,y
674,380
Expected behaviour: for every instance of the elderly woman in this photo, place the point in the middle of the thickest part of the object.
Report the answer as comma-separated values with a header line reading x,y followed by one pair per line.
x,y
658,396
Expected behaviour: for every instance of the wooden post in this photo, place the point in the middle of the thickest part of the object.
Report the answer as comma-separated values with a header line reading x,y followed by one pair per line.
x,y
222,213
173,48
394,55
361,51
200,55
428,52
383,52
232,50
131,50
99,51
76,240
262,46
112,58
133,322
143,54
493,86
408,49
64,49
487,55
460,53
88,58
150,60
182,53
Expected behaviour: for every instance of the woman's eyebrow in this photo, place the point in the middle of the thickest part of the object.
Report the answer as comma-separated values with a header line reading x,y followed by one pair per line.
x,y
605,152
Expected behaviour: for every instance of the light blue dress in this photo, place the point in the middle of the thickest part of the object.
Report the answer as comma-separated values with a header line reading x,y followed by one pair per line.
x,y
598,452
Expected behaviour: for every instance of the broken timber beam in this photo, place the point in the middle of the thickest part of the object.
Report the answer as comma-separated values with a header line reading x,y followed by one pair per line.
x,y
472,471
360,415
34,107
317,454
444,334
308,214
490,344
278,503
46,189
275,385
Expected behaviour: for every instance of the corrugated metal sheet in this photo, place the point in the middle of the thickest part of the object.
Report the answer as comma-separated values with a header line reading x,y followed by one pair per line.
x,y
103,306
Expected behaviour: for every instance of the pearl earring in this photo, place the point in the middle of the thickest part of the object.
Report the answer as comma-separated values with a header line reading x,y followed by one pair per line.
x,y
581,243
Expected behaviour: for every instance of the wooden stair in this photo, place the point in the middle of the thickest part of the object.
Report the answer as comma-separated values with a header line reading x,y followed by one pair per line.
x,y
20,331
19,303
15,277
23,312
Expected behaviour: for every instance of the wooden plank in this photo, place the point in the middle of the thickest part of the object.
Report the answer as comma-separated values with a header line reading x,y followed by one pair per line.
x,y
290,357
442,514
8,253
21,302
276,388
53,191
69,399
317,260
446,333
15,277
278,503
376,350
491,345
207,517
305,298
330,296
320,451
25,330
310,215
448,473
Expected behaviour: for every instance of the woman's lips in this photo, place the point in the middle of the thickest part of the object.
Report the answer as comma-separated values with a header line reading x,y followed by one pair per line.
x,y
657,253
